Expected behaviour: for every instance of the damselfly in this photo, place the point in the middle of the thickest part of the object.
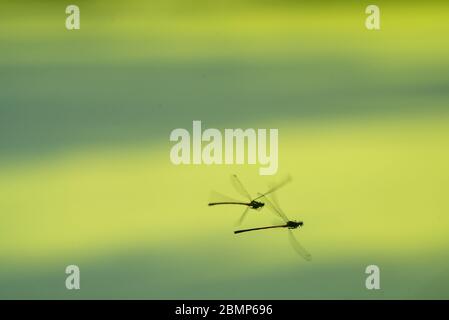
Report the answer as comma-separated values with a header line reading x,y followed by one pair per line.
x,y
288,224
252,203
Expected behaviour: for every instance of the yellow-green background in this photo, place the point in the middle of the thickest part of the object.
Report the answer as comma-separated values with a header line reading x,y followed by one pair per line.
x,y
85,175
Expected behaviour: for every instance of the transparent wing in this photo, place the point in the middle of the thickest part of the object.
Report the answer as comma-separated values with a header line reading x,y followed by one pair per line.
x,y
243,216
276,187
218,197
275,209
275,200
298,247
239,187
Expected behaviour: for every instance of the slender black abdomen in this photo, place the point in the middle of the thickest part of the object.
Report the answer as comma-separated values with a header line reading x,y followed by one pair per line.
x,y
230,202
260,228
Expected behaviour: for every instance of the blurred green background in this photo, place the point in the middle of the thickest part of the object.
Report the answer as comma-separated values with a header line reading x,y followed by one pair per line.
x,y
85,175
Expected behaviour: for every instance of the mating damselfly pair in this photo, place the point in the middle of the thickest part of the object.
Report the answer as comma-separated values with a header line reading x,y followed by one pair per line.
x,y
258,203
